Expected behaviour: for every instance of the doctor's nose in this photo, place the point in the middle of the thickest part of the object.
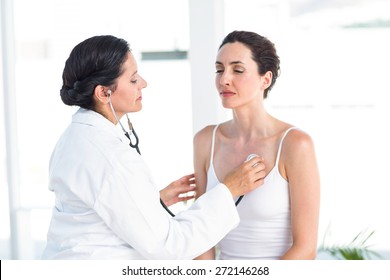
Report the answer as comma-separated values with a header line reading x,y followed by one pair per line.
x,y
144,84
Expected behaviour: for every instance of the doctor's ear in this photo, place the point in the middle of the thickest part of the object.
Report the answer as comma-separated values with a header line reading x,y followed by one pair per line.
x,y
102,94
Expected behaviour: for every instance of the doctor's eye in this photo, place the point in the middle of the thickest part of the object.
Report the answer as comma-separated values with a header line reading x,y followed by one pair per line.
x,y
134,81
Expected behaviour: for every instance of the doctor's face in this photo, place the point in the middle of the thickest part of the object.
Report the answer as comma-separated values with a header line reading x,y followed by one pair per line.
x,y
127,96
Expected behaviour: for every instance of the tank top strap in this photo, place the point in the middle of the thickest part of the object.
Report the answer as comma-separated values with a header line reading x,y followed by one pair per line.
x,y
212,145
281,143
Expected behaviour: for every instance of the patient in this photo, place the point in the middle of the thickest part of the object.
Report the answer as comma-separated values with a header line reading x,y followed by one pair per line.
x,y
278,220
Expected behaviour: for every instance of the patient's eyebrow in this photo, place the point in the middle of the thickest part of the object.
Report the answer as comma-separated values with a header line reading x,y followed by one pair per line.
x,y
231,63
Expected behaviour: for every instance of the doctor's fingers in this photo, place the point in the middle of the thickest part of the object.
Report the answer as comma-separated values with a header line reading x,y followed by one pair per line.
x,y
187,179
182,186
259,167
258,173
183,193
182,189
185,197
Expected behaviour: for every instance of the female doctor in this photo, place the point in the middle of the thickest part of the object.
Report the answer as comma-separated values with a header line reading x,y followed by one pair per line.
x,y
106,204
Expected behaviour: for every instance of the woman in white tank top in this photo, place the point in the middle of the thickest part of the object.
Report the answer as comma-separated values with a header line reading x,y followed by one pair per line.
x,y
279,220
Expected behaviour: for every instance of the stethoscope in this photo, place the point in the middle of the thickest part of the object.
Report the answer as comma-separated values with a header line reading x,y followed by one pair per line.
x,y
135,144
131,128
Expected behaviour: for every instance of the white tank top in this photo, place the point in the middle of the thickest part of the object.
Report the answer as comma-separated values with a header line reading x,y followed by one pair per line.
x,y
264,231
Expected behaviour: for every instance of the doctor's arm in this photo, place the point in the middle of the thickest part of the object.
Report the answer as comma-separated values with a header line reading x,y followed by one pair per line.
x,y
128,203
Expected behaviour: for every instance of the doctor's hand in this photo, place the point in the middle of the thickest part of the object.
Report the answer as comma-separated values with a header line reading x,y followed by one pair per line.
x,y
246,177
178,190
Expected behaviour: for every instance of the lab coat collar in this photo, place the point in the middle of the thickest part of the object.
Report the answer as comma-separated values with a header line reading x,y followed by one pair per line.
x,y
92,118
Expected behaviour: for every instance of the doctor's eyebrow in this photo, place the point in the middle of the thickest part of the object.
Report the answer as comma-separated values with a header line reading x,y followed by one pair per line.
x,y
135,72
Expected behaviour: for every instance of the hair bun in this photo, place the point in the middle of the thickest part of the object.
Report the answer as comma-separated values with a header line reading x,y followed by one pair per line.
x,y
69,96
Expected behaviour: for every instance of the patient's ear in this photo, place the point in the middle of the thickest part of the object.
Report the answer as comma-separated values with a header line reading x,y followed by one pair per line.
x,y
267,80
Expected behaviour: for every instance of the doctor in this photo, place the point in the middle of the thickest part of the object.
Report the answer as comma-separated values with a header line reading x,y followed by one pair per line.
x,y
106,204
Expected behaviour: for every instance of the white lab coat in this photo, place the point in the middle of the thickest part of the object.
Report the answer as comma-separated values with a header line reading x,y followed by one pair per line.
x,y
107,206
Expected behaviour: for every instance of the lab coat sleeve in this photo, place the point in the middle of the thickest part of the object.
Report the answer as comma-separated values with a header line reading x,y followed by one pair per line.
x,y
129,204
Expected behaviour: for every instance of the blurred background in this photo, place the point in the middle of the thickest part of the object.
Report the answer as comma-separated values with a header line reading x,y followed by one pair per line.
x,y
334,85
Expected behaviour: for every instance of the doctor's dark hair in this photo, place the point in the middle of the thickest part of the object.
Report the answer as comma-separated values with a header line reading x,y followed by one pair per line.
x,y
263,53
95,61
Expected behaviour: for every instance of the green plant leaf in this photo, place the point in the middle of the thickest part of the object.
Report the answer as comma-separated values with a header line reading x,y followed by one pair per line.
x,y
355,250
